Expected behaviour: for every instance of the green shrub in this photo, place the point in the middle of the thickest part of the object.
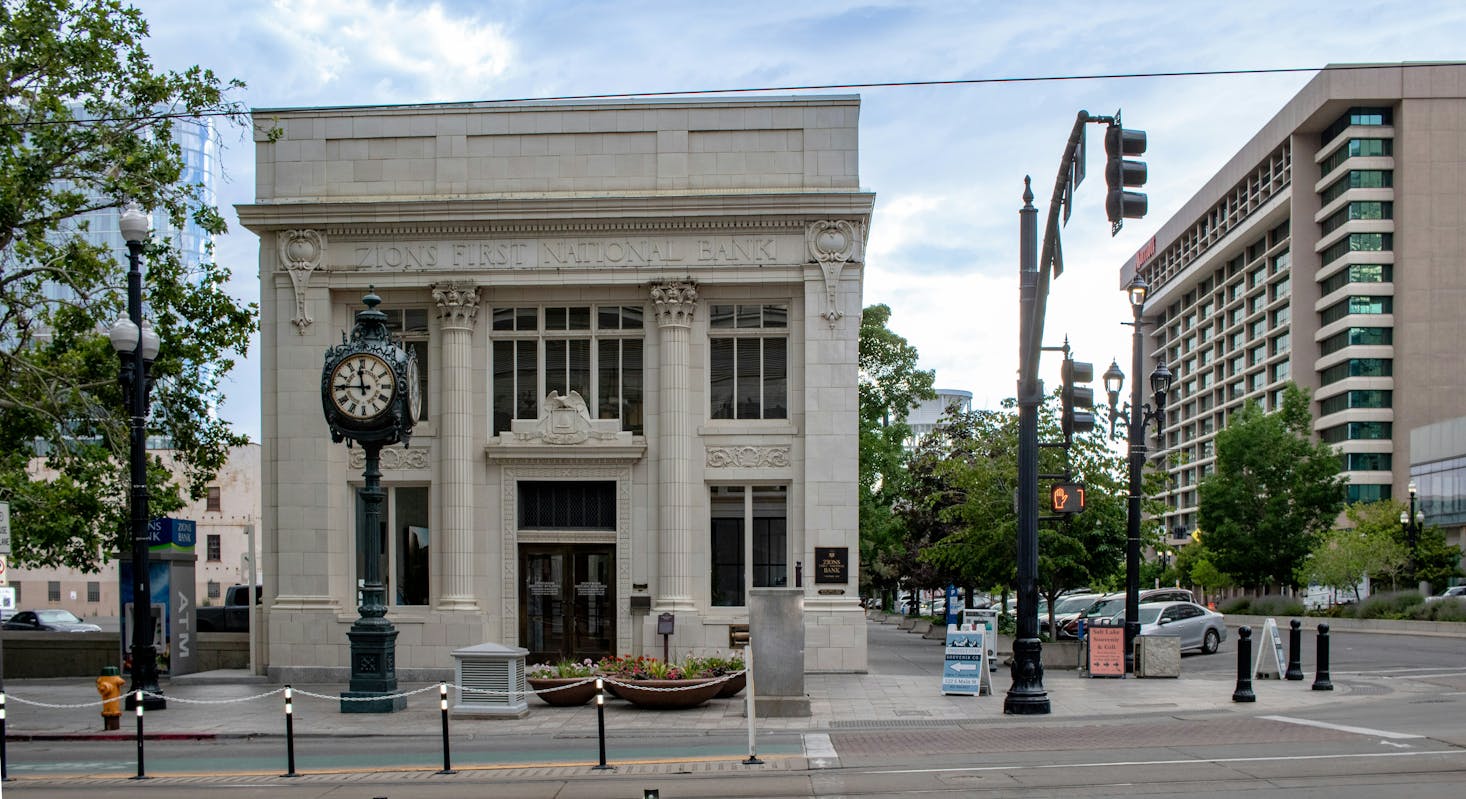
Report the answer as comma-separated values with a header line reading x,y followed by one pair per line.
x,y
1442,610
1341,611
1241,606
1276,605
1391,605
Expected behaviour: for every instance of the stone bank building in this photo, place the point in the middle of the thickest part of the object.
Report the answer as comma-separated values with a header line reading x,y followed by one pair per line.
x,y
639,322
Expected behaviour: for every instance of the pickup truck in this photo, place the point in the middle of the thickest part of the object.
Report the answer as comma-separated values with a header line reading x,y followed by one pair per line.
x,y
232,616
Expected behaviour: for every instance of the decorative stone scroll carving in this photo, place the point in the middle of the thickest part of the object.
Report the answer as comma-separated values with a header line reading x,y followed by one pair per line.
x,y
457,303
393,458
832,244
748,457
567,420
675,301
301,251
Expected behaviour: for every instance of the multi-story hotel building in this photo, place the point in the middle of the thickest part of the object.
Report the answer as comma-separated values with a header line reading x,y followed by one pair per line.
x,y
639,323
1329,251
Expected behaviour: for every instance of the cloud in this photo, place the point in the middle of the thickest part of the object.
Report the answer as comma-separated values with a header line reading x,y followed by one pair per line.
x,y
395,52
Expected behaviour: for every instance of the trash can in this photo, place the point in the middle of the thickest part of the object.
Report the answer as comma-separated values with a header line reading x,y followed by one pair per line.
x,y
1158,656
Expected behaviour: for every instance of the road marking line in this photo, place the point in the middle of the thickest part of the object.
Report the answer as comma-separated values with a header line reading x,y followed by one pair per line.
x,y
820,751
1342,727
1127,764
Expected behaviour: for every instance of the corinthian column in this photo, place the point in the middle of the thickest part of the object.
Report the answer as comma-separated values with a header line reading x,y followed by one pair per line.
x,y
675,303
457,309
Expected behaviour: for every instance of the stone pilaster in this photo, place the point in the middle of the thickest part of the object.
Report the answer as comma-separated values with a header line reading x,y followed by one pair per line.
x,y
675,303
457,310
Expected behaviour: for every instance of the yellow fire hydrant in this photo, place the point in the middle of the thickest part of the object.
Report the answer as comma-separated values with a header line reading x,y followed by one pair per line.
x,y
109,686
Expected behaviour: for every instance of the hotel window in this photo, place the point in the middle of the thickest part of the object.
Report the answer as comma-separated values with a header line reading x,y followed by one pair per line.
x,y
213,503
748,361
1356,431
1256,355
568,348
1357,367
1282,316
1365,461
1366,492
1280,344
1358,304
1364,116
1257,303
749,526
1355,399
409,326
1281,371
1356,148
1256,381
1358,242
1282,260
1281,288
1356,336
1358,179
1358,210
405,542
214,551
1359,273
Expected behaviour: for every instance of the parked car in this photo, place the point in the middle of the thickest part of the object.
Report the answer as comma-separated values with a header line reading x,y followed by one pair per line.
x,y
49,619
1454,592
1066,609
1114,604
232,616
1200,629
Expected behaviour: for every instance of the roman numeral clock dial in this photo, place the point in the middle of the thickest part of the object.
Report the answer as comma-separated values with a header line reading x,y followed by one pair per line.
x,y
363,386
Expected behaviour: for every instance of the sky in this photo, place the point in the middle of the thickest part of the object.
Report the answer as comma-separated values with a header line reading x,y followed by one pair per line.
x,y
946,163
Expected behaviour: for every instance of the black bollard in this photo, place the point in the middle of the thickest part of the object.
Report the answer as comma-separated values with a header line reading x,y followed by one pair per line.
x,y
601,723
1244,667
142,773
1321,678
443,706
289,734
1295,650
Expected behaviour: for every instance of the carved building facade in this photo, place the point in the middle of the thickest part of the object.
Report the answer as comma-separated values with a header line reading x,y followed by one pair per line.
x,y
639,322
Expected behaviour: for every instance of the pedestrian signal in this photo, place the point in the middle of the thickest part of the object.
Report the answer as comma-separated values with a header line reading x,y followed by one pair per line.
x,y
1067,497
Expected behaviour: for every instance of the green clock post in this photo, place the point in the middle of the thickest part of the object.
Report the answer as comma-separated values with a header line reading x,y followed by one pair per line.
x,y
370,393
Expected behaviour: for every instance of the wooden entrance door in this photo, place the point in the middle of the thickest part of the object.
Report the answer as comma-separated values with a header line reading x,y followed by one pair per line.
x,y
567,601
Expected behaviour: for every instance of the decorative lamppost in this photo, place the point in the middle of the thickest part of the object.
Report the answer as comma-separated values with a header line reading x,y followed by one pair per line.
x,y
1412,520
1140,416
137,346
370,394
1114,379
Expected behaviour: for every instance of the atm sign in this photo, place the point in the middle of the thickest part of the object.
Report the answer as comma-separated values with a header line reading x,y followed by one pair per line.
x,y
1067,497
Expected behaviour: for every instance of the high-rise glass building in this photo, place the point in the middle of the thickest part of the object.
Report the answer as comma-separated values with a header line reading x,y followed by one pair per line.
x,y
1329,251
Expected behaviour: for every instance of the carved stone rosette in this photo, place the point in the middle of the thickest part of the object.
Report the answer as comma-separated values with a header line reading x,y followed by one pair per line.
x,y
675,300
457,303
832,244
748,457
301,251
393,458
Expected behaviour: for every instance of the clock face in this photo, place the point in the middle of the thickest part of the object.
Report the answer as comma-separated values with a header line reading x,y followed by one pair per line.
x,y
363,386
414,391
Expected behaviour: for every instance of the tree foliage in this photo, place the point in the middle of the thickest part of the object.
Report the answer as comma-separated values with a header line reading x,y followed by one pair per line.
x,y
1343,557
1273,493
890,386
86,122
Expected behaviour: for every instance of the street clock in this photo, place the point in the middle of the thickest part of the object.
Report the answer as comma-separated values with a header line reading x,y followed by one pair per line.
x,y
369,385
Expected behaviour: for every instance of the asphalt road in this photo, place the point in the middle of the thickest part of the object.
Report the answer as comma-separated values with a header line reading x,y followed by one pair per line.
x,y
1410,743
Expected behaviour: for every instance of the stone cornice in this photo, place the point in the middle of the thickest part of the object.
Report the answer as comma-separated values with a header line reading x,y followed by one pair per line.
x,y
559,214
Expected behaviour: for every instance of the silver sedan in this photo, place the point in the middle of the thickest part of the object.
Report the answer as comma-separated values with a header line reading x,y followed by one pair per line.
x,y
1199,628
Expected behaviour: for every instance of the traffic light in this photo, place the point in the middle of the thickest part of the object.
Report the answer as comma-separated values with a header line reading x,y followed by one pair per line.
x,y
1122,173
1077,398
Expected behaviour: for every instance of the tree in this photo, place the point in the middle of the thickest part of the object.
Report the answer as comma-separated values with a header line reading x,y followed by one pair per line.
x,y
1344,557
890,386
1273,493
86,123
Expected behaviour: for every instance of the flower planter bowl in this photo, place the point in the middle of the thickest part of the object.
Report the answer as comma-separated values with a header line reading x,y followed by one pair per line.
x,y
584,689
691,693
733,686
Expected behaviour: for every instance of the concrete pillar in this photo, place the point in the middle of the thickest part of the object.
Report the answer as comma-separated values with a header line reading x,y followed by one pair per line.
x,y
457,310
675,303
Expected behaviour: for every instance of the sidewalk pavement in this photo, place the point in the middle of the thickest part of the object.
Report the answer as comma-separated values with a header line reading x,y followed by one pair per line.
x,y
236,704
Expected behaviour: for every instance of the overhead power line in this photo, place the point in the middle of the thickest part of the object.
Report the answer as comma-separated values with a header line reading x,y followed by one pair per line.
x,y
1194,73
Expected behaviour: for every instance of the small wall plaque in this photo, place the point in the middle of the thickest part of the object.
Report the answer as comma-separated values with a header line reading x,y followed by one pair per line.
x,y
831,565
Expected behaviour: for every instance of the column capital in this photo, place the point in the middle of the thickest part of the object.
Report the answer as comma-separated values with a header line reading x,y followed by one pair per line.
x,y
675,301
457,303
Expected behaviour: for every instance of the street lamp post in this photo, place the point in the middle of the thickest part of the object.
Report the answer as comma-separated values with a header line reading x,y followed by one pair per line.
x,y
1412,520
137,345
1140,415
